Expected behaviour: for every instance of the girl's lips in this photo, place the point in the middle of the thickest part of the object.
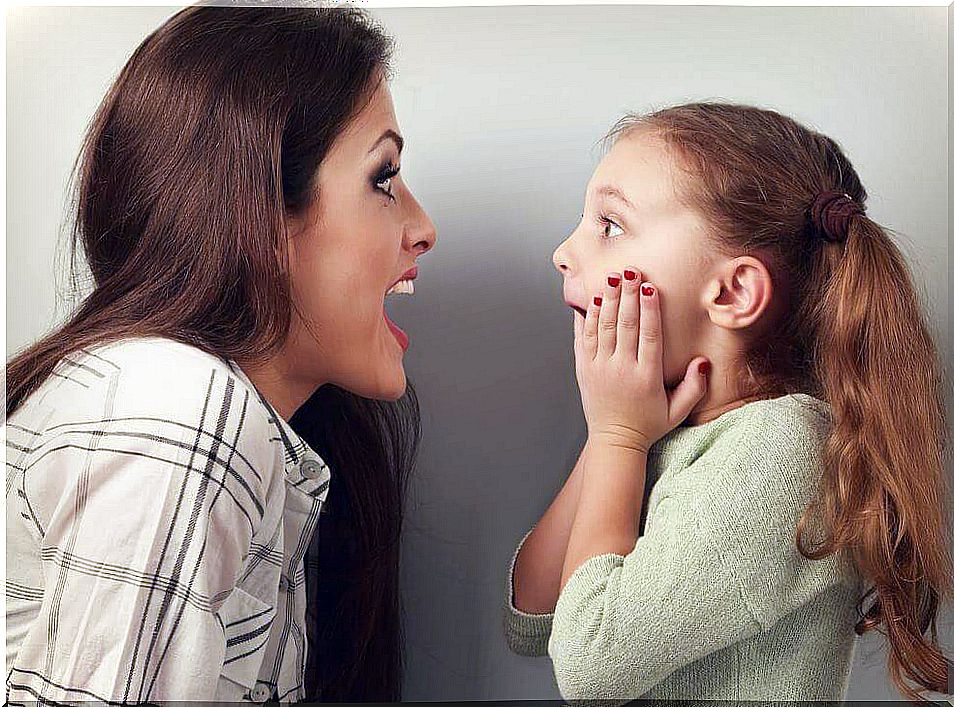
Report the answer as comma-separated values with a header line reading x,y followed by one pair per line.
x,y
399,334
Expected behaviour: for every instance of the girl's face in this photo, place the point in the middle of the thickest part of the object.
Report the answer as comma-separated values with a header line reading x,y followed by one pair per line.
x,y
363,235
632,218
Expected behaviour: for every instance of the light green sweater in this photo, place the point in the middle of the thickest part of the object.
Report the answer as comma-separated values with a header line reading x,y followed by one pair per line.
x,y
714,602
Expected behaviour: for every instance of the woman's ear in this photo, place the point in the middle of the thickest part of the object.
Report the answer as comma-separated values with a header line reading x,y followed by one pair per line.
x,y
739,293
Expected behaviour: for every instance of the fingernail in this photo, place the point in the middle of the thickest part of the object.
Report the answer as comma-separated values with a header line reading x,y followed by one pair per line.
x,y
597,301
647,290
705,367
629,274
613,280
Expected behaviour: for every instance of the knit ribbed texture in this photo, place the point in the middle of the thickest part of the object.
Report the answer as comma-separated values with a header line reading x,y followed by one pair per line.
x,y
714,602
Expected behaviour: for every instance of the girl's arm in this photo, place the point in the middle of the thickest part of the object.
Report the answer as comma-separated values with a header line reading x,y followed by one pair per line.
x,y
609,506
536,576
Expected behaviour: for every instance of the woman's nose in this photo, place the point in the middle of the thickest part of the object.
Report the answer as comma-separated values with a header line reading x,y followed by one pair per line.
x,y
422,236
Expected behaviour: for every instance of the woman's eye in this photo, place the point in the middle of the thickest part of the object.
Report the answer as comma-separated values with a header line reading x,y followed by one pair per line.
x,y
608,226
383,181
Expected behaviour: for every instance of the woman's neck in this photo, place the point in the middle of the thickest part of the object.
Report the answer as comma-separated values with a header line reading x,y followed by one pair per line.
x,y
278,384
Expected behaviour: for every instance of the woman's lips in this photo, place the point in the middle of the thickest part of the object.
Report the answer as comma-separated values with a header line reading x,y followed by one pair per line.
x,y
399,334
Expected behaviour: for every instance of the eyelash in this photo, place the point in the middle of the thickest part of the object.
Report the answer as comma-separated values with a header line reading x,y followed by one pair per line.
x,y
606,222
388,171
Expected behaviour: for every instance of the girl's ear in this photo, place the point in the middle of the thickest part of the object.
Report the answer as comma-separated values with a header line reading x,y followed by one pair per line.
x,y
739,293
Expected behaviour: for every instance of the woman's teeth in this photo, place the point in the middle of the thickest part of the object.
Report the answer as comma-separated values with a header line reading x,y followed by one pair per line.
x,y
401,287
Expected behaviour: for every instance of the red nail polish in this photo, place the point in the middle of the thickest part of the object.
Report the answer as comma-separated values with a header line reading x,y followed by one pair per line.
x,y
705,367
647,290
629,274
613,280
597,301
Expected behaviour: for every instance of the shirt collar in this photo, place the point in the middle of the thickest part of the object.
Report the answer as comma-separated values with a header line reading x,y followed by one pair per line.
x,y
305,470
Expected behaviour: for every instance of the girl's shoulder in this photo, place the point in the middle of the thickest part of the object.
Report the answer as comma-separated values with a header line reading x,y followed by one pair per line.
x,y
775,442
755,460
762,429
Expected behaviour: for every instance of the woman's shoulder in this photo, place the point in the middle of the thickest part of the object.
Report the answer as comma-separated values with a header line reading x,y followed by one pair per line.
x,y
158,365
146,379
149,403
152,357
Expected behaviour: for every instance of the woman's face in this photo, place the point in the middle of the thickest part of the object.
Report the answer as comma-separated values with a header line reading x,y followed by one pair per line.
x,y
632,218
364,234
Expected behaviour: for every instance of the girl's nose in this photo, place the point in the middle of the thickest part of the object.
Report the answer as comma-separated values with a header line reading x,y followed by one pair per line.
x,y
560,260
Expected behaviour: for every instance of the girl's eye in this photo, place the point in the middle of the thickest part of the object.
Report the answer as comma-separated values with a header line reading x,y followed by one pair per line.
x,y
608,225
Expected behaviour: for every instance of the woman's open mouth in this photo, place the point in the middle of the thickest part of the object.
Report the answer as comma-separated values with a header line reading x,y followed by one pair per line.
x,y
399,334
404,286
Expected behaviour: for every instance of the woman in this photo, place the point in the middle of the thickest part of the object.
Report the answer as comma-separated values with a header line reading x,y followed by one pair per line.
x,y
240,209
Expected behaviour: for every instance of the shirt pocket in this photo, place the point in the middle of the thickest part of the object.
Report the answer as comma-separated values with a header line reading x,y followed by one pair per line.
x,y
247,622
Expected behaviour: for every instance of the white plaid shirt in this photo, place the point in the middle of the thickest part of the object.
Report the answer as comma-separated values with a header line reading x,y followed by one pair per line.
x,y
158,515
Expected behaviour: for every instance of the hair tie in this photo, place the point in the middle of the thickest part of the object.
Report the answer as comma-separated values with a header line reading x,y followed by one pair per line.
x,y
830,214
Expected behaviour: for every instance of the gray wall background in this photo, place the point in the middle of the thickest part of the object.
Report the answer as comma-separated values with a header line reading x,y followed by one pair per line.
x,y
501,108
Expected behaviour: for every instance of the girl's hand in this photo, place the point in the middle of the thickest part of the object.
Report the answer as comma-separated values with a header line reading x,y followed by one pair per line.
x,y
619,367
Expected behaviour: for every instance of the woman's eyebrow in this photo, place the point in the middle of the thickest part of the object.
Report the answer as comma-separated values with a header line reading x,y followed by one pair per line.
x,y
386,135
608,190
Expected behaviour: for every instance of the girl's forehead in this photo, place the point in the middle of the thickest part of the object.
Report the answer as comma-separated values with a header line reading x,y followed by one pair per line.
x,y
637,170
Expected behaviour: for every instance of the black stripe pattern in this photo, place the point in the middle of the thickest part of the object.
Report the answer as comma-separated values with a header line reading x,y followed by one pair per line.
x,y
158,512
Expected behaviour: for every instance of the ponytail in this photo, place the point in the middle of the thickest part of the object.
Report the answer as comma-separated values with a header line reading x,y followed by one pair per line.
x,y
877,365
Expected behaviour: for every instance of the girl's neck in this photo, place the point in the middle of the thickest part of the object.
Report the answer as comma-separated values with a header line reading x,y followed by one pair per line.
x,y
708,412
724,393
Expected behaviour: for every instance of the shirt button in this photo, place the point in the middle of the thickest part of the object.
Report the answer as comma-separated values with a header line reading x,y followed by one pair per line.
x,y
283,583
310,469
260,693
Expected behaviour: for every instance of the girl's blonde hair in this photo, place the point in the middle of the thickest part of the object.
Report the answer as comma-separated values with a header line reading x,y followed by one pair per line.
x,y
847,327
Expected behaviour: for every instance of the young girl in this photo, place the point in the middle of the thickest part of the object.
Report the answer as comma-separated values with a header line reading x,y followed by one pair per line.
x,y
750,351
240,209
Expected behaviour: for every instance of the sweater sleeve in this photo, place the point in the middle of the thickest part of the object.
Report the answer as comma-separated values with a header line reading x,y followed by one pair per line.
x,y
527,634
716,565
623,624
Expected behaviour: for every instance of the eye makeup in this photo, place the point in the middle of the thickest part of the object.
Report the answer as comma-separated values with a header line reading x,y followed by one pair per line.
x,y
385,174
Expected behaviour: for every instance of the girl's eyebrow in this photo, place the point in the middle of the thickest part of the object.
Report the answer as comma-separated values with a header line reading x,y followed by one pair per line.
x,y
613,192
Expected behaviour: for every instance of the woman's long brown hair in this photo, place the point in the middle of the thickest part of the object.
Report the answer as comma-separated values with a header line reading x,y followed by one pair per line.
x,y
210,135
848,328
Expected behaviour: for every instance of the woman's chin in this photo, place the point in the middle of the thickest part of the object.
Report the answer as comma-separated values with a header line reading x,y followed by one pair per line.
x,y
390,383
394,392
389,387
